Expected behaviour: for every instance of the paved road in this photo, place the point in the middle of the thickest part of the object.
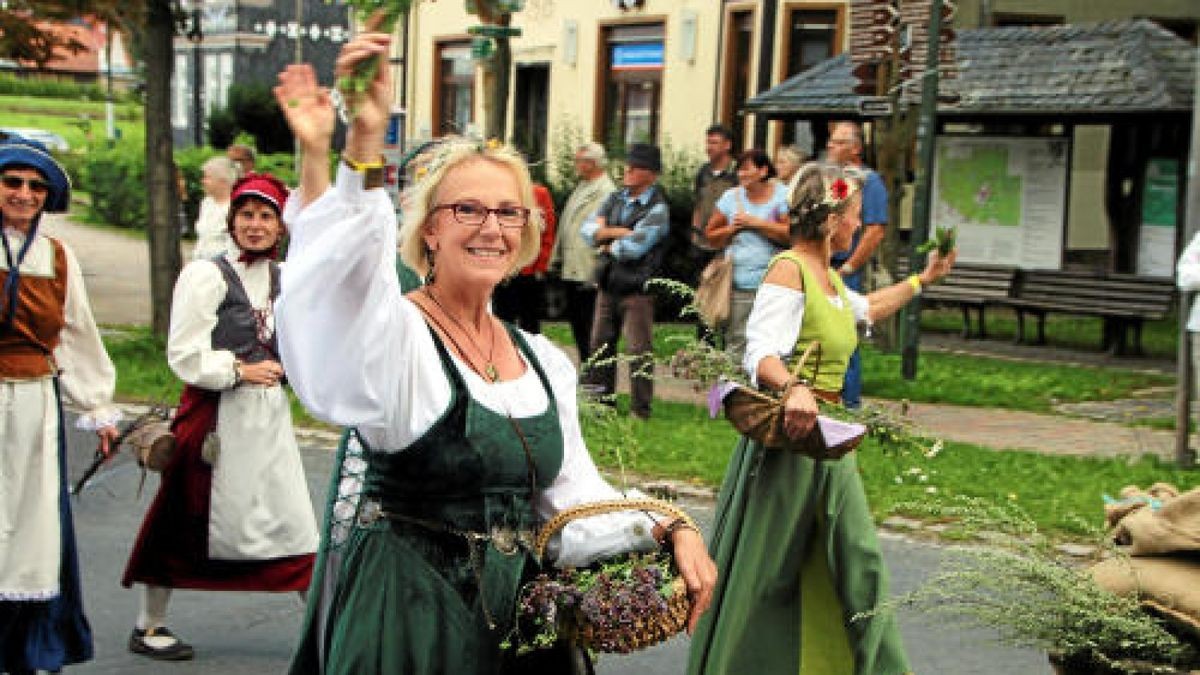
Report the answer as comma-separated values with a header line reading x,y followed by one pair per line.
x,y
245,633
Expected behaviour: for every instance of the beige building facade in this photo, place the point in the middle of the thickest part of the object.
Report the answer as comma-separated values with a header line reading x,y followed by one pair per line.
x,y
660,70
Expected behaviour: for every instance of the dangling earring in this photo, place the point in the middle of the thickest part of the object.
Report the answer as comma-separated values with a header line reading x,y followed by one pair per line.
x,y
429,266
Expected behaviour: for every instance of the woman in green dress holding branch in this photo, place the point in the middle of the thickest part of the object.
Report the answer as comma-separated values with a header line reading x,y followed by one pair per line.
x,y
794,539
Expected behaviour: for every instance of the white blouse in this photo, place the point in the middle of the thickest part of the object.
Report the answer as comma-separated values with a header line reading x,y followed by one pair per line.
x,y
776,318
358,353
87,377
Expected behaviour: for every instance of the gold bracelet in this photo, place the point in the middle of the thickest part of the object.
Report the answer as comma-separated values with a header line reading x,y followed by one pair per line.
x,y
915,281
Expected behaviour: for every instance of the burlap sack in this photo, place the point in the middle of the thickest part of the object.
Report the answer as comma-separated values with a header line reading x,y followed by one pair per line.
x,y
1166,586
1175,527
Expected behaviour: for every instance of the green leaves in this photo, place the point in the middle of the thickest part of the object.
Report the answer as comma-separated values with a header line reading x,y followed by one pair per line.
x,y
943,241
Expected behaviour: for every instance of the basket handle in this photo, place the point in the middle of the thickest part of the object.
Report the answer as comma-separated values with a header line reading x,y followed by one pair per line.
x,y
589,509
814,345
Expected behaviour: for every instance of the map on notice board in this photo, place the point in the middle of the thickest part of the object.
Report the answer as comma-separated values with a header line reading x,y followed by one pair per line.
x,y
1005,195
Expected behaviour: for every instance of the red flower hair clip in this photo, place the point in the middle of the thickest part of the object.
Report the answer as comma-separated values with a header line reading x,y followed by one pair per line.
x,y
839,190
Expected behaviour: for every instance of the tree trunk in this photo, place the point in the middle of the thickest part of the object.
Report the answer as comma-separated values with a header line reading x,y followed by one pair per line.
x,y
162,231
496,78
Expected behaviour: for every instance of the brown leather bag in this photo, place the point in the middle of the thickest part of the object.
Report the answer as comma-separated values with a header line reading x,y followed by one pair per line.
x,y
714,294
152,444
760,417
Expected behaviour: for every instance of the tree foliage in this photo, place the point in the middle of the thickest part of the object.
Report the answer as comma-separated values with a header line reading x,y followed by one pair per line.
x,y
27,33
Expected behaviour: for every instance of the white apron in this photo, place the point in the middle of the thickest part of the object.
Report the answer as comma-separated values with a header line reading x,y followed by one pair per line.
x,y
30,541
260,507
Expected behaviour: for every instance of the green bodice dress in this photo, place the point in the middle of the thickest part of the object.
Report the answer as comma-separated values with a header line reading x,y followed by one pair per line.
x,y
796,547
401,593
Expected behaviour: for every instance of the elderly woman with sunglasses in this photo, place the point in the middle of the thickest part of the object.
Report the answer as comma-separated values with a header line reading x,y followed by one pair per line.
x,y
50,354
468,430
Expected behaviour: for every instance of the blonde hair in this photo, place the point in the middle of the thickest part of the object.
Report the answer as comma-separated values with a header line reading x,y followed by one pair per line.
x,y
792,153
814,199
450,153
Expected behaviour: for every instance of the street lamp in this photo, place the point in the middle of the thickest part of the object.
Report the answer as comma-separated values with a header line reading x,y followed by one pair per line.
x,y
195,35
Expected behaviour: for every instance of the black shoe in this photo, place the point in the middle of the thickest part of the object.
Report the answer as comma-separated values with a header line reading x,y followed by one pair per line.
x,y
161,644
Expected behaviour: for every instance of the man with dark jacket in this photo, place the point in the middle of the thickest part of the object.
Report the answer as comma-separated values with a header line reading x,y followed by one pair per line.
x,y
630,228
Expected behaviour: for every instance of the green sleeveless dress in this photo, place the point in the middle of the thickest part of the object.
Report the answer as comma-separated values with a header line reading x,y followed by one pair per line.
x,y
406,592
796,547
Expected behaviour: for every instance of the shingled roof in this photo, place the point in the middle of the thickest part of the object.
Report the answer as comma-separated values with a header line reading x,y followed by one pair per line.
x,y
1114,67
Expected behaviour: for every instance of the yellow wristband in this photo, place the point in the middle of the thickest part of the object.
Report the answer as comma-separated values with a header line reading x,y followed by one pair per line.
x,y
915,282
362,167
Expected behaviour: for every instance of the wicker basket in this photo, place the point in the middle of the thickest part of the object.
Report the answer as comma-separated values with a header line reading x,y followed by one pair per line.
x,y
644,630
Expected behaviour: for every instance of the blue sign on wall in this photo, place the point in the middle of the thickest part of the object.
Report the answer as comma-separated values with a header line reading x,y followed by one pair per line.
x,y
638,56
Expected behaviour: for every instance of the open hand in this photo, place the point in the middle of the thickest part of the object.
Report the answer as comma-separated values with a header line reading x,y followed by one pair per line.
x,y
306,106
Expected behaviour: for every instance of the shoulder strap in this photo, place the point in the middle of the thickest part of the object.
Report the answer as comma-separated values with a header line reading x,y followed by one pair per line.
x,y
527,349
231,276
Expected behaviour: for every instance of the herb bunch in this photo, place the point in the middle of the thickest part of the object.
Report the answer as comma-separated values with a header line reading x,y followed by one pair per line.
x,y
375,16
942,241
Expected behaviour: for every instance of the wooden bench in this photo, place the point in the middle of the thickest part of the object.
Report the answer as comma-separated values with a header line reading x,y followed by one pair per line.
x,y
1124,301
969,286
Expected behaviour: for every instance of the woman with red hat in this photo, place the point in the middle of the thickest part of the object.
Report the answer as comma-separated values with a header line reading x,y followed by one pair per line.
x,y
50,354
232,511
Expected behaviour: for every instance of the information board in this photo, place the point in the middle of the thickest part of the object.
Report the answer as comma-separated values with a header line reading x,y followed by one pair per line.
x,y
1006,196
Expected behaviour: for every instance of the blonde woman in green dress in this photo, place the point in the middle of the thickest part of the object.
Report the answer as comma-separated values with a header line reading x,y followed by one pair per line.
x,y
794,540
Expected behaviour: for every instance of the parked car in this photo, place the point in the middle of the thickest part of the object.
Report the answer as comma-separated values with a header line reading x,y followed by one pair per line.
x,y
47,138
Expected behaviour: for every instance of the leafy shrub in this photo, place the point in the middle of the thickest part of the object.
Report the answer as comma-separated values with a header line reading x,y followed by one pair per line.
x,y
115,177
255,111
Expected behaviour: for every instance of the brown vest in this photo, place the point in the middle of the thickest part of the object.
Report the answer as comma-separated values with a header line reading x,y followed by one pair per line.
x,y
26,350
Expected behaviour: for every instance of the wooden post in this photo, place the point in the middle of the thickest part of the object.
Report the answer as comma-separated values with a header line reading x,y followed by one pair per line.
x,y
1184,455
926,139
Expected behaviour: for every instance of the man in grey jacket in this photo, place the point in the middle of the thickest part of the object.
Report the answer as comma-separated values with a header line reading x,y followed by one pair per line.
x,y
573,260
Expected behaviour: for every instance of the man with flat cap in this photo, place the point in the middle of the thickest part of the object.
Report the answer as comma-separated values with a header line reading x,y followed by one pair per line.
x,y
630,230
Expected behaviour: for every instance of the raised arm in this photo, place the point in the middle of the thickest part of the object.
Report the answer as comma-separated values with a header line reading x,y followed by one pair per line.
x,y
341,329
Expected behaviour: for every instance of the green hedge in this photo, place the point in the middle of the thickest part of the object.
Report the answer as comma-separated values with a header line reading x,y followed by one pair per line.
x,y
47,88
115,178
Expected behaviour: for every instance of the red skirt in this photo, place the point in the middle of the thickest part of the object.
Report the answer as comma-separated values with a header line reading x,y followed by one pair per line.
x,y
172,547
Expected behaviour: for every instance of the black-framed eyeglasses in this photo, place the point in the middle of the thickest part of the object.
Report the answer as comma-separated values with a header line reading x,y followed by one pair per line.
x,y
473,214
14,182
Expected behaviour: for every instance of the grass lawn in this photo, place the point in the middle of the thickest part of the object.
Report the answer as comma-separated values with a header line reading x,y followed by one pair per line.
x,y
71,119
1159,338
1062,494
